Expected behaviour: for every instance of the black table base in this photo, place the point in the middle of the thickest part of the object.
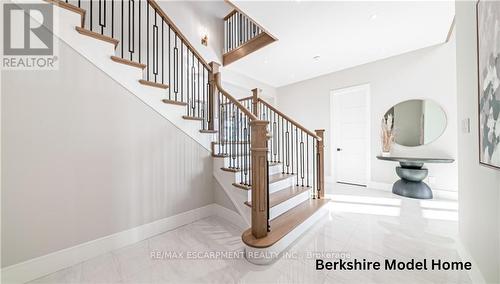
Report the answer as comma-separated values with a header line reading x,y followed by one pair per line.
x,y
412,174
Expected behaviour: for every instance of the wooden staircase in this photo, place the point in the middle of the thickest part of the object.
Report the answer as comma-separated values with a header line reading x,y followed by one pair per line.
x,y
271,166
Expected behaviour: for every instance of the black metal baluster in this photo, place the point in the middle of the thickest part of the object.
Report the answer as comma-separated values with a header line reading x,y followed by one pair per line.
x,y
314,168
139,32
176,67
198,88
287,137
131,28
187,81
193,87
169,64
91,18
291,146
297,153
302,166
221,137
112,17
247,164
307,155
102,17
226,122
319,189
203,110
240,27
147,42
163,53
155,49
121,39
181,71
233,126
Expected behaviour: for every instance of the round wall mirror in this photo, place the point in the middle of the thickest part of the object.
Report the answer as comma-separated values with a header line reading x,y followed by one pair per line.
x,y
416,122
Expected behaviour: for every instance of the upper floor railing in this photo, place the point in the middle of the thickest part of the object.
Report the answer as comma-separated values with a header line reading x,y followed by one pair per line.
x,y
242,36
238,30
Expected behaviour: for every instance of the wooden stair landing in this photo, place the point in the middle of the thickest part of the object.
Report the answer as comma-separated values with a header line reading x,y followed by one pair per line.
x,y
285,223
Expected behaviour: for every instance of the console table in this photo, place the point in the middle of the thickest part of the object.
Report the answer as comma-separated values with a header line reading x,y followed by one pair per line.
x,y
412,173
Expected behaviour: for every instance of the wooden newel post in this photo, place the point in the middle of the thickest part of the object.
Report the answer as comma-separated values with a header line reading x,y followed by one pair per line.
x,y
255,101
259,177
212,77
321,163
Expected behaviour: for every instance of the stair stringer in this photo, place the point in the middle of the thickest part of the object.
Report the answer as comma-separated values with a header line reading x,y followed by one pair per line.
x,y
99,53
236,195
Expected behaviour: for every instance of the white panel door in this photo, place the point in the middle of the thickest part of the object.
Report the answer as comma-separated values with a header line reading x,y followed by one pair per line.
x,y
350,134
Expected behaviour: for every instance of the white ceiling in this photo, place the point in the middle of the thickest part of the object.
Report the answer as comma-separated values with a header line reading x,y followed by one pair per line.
x,y
344,34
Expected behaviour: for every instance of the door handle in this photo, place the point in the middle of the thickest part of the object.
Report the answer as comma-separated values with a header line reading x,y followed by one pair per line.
x,y
339,149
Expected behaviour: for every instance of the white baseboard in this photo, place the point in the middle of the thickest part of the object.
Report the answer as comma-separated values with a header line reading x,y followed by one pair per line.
x,y
439,193
474,274
230,216
43,265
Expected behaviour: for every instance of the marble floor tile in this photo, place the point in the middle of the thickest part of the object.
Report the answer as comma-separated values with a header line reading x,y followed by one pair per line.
x,y
361,223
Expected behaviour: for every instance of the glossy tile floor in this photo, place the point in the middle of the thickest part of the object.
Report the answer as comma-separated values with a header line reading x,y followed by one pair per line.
x,y
362,223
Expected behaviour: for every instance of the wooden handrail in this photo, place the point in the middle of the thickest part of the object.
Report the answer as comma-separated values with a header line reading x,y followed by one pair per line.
x,y
234,11
250,115
160,11
245,98
311,133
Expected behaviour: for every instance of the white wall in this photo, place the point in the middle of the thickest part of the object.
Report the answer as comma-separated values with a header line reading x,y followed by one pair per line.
x,y
424,74
83,158
479,190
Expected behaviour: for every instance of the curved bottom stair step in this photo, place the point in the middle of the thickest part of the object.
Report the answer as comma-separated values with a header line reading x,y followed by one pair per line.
x,y
285,223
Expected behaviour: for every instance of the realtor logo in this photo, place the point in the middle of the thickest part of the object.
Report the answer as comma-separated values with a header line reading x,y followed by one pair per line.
x,y
28,37
24,31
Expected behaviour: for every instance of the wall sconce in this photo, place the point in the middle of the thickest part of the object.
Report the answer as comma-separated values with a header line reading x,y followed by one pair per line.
x,y
204,40
203,32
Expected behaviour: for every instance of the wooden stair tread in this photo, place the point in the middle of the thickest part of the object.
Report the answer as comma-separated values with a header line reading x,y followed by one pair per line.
x,y
128,62
97,36
208,131
153,84
172,102
242,186
192,117
283,195
69,7
235,170
285,223
278,177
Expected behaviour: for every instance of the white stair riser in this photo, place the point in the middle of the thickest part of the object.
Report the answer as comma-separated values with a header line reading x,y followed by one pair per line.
x,y
230,149
287,205
272,170
276,186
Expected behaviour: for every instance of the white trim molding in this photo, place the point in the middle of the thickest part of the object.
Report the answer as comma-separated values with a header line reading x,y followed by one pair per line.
x,y
47,264
474,274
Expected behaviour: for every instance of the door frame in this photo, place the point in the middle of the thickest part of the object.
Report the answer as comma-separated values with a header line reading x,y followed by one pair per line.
x,y
333,137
